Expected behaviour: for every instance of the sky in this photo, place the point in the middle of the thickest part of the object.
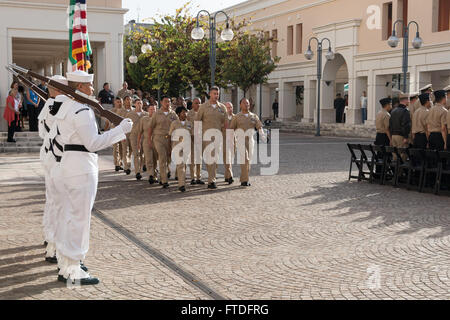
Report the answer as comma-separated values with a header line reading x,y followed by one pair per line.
x,y
151,8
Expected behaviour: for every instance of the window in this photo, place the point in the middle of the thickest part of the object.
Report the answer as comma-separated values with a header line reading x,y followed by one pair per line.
x,y
299,38
387,20
444,15
290,40
274,43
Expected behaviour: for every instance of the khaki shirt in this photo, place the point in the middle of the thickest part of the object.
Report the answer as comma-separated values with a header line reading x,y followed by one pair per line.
x,y
382,121
123,92
212,118
136,118
413,107
419,120
160,122
116,111
448,122
190,116
437,118
124,112
240,121
144,126
228,121
178,125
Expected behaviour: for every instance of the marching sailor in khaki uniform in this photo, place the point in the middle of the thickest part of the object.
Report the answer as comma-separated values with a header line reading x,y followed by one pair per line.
x,y
159,133
420,132
181,123
117,147
383,137
195,169
126,143
437,122
228,154
246,120
50,159
80,136
136,115
212,114
150,156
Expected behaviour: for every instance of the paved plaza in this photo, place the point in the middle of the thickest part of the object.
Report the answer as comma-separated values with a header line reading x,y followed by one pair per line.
x,y
306,233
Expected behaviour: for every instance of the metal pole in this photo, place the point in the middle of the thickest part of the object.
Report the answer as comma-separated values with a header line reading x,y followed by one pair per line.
x,y
212,38
405,60
319,78
159,79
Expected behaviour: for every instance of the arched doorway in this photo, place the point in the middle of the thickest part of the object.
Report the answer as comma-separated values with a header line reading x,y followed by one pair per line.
x,y
335,80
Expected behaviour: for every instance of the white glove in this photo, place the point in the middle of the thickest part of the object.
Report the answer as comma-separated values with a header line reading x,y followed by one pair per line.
x,y
264,138
126,125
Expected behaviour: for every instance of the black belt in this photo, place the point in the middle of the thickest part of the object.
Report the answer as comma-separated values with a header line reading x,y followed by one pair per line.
x,y
76,147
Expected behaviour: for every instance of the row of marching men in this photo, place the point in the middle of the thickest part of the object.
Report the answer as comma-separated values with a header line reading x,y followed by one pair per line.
x,y
68,155
149,145
421,120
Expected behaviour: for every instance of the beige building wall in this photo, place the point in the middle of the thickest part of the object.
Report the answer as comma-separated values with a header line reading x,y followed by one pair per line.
x,y
358,31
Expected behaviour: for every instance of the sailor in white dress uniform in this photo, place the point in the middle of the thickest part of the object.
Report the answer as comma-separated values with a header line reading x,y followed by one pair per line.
x,y
79,134
50,157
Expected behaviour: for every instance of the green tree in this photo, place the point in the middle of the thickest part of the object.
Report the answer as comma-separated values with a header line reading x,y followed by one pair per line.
x,y
248,60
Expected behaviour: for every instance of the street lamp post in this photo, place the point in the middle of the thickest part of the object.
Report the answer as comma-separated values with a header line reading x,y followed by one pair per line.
x,y
309,55
226,35
417,43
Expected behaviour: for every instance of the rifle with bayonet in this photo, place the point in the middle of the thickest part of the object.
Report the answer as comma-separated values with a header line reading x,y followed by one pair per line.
x,y
97,107
27,83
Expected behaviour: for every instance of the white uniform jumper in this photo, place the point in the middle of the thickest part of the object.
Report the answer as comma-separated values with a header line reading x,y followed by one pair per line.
x,y
79,173
50,155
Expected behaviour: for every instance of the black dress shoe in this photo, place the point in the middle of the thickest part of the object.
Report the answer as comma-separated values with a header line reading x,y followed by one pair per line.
x,y
83,267
193,182
212,185
165,185
117,168
168,175
12,140
144,168
199,182
182,189
160,182
229,180
51,259
151,180
84,281
45,243
245,184
128,171
138,176
176,178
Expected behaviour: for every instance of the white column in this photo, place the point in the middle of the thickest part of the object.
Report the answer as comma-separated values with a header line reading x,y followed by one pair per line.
x,y
327,112
309,101
57,67
354,114
48,70
379,91
287,106
266,102
5,77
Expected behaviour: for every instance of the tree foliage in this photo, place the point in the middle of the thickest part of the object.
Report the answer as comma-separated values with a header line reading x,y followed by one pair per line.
x,y
180,61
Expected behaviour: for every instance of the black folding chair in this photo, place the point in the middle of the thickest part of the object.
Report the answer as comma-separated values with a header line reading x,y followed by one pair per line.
x,y
391,166
443,171
416,169
354,159
431,171
402,167
379,158
367,160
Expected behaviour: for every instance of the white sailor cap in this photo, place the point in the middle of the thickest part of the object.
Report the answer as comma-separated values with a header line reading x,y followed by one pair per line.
x,y
428,86
403,95
414,94
447,88
60,79
80,76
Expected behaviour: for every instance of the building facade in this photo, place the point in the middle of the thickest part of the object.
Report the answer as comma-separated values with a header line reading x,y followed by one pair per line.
x,y
35,34
358,31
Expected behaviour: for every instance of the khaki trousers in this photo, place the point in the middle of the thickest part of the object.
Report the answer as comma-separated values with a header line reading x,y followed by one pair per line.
x,y
181,174
211,168
227,166
194,169
126,153
150,157
162,145
245,167
137,156
117,154
397,141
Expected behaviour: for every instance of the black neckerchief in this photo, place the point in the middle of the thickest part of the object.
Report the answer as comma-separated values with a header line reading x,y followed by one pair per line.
x,y
55,107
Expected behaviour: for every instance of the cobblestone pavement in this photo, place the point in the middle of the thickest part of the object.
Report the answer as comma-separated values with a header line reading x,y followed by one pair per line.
x,y
305,233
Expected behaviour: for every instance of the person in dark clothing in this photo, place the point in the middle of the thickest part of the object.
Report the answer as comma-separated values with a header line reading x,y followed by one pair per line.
x,y
400,123
41,104
339,105
275,109
106,95
32,109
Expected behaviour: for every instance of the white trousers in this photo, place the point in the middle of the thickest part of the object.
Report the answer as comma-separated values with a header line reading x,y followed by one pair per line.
x,y
52,211
72,240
